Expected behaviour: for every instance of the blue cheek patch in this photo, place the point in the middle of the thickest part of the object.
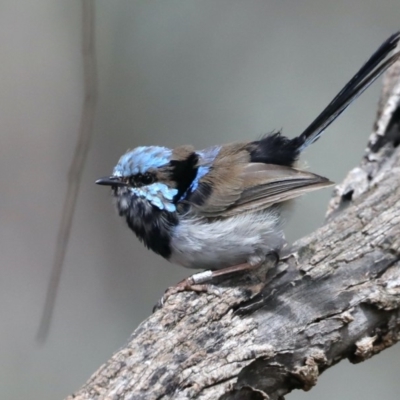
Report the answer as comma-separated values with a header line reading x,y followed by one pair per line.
x,y
158,194
161,188
141,159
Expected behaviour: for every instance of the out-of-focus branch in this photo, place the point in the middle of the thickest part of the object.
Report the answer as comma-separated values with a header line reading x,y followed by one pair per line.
x,y
336,295
78,161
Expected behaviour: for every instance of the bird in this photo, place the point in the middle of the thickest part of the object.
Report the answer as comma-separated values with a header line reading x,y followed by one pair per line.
x,y
220,209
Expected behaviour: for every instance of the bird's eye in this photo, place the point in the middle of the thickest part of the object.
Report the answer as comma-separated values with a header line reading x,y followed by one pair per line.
x,y
147,178
141,179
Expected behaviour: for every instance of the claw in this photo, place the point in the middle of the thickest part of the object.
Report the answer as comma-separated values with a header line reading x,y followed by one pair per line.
x,y
183,286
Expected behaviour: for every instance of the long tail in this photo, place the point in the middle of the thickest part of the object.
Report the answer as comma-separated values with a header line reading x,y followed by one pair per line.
x,y
368,73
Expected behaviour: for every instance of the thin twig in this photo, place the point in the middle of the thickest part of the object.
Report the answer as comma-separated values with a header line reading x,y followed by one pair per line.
x,y
78,162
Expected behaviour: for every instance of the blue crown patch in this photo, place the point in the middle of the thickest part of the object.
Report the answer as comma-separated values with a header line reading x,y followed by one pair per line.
x,y
141,159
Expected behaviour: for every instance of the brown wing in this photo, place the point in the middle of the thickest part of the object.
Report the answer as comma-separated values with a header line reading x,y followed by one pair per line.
x,y
223,184
261,186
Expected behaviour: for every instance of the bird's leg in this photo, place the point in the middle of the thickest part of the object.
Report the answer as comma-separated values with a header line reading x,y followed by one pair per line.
x,y
206,276
197,282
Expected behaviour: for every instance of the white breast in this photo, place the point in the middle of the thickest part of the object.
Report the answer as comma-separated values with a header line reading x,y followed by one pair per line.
x,y
215,244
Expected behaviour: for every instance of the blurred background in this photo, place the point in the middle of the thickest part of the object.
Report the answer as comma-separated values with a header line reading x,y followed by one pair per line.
x,y
170,73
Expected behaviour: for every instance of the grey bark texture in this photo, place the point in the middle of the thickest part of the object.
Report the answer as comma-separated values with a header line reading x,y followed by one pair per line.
x,y
335,295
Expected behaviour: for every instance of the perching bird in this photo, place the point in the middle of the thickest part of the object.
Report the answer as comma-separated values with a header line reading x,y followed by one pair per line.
x,y
220,208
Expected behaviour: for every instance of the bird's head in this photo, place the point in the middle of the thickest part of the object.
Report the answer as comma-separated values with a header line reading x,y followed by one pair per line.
x,y
151,177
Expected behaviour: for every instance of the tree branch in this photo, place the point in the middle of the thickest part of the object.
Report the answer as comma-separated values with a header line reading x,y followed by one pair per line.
x,y
335,295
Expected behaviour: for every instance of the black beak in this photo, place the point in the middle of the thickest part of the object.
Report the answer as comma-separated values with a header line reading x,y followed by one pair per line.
x,y
110,181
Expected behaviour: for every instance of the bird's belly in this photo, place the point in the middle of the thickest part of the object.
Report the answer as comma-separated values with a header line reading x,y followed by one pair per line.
x,y
215,244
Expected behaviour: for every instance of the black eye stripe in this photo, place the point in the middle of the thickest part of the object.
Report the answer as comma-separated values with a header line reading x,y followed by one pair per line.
x,y
141,179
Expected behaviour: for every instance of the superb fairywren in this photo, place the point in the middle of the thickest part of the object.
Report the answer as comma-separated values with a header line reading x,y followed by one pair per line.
x,y
220,208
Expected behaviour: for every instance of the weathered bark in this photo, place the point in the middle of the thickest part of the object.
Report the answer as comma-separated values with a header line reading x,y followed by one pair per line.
x,y
336,295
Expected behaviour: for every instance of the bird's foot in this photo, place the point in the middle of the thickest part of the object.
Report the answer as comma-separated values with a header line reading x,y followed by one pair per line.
x,y
187,285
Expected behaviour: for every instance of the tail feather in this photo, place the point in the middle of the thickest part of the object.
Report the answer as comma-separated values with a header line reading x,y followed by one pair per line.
x,y
367,74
